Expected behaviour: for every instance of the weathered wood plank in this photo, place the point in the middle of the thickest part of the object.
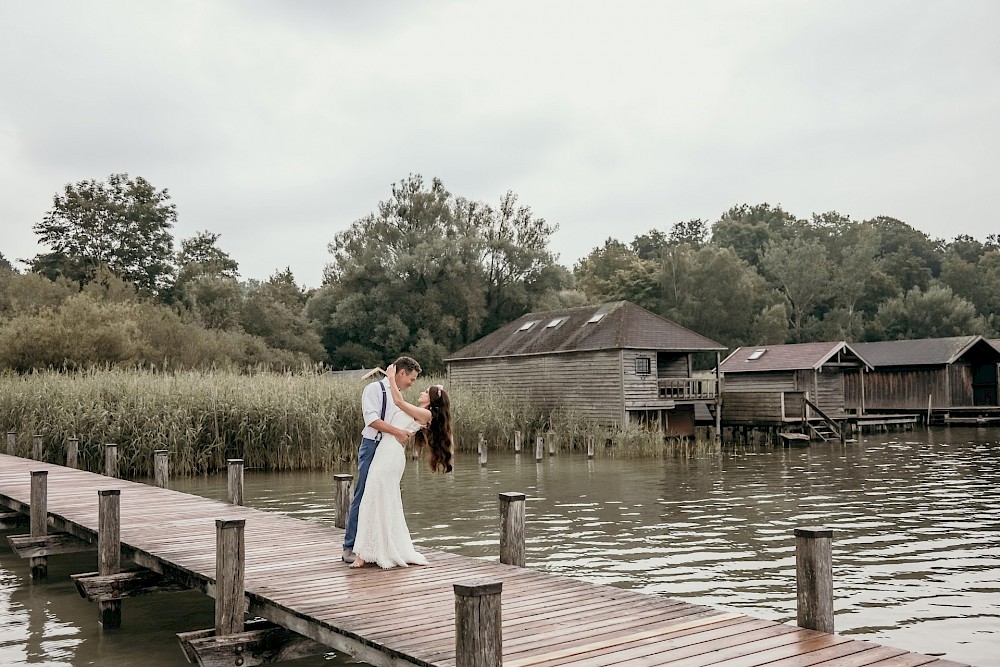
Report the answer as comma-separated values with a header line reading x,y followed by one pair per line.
x,y
95,587
52,544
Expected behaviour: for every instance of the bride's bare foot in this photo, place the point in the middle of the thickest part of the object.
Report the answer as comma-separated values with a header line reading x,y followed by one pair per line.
x,y
358,561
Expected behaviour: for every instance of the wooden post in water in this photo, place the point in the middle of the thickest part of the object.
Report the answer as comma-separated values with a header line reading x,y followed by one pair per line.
x,y
482,451
342,499
590,446
39,517
539,448
111,460
72,452
109,552
930,406
235,486
478,633
37,450
12,442
517,442
230,556
814,578
551,437
512,528
161,468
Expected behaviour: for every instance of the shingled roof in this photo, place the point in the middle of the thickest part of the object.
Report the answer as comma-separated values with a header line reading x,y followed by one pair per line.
x,y
793,357
615,325
922,352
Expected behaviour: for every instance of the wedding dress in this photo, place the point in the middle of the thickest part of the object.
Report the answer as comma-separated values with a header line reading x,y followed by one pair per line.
x,y
383,536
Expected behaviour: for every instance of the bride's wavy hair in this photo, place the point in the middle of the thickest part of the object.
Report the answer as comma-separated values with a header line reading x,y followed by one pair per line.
x,y
436,436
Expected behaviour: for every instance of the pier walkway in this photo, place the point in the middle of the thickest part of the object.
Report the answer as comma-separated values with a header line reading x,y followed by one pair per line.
x,y
294,577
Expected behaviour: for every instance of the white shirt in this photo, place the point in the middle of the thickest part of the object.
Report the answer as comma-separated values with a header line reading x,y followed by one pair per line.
x,y
371,407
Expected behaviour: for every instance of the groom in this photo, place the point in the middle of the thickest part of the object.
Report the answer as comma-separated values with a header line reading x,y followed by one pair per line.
x,y
378,409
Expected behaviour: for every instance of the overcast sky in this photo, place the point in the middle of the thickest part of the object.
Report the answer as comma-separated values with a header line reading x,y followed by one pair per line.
x,y
278,123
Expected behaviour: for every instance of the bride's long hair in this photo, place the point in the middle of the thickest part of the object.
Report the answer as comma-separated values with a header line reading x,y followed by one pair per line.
x,y
436,436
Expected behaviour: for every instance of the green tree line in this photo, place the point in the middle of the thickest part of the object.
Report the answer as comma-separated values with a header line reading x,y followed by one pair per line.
x,y
429,271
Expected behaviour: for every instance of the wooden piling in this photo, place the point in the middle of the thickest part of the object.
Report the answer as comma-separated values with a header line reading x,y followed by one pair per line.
x,y
590,446
342,499
111,460
482,451
230,557
109,552
478,633
814,578
551,437
235,483
517,442
161,468
12,442
37,448
512,528
539,448
72,452
39,518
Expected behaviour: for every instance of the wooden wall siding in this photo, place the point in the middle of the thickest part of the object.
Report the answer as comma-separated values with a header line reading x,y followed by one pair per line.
x,y
643,391
898,389
588,382
826,389
749,408
776,381
960,384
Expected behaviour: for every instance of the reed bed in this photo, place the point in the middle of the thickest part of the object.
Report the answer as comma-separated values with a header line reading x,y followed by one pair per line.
x,y
272,421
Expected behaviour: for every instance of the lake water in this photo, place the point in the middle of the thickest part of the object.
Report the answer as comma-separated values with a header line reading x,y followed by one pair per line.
x,y
916,519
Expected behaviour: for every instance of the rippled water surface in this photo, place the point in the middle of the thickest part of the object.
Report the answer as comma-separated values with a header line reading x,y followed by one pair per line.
x,y
916,517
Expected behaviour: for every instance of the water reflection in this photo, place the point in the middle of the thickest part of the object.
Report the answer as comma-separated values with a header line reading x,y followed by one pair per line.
x,y
916,544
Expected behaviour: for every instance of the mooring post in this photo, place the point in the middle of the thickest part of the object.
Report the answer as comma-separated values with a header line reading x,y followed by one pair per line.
x,y
551,437
814,578
517,442
111,460
342,499
478,632
161,468
482,451
39,517
72,452
539,448
590,446
230,554
12,442
512,528
109,552
37,451
235,486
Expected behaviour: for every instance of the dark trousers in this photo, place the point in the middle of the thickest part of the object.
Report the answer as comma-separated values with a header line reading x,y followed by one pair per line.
x,y
365,455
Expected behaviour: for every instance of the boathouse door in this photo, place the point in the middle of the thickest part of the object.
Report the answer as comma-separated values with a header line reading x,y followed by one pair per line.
x,y
984,384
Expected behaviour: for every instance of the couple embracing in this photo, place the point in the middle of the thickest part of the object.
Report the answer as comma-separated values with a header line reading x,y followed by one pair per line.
x,y
376,528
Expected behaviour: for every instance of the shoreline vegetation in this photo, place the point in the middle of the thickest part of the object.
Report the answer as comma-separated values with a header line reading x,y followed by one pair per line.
x,y
273,421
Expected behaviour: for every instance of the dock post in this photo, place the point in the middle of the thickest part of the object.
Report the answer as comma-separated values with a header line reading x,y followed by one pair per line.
x,y
37,450
512,529
72,452
111,460
478,632
482,451
342,499
551,437
590,446
539,448
517,442
230,556
39,517
235,485
161,468
109,552
12,442
814,578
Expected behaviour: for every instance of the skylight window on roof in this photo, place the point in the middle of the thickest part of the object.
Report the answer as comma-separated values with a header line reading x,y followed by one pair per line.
x,y
596,318
556,322
757,354
527,325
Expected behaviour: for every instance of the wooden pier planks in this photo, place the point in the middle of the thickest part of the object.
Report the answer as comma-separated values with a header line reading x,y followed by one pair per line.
x,y
294,577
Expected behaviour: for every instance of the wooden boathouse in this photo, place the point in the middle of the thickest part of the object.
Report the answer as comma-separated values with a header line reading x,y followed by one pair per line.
x,y
945,378
612,364
784,388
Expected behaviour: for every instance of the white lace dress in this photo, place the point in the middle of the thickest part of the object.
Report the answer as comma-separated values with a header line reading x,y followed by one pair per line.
x,y
383,536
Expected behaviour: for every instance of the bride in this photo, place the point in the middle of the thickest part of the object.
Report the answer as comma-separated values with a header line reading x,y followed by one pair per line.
x,y
383,537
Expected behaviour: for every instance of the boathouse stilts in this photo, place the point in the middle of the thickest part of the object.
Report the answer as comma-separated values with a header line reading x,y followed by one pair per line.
x,y
814,578
72,452
109,552
111,460
478,640
512,529
39,517
234,484
161,468
341,499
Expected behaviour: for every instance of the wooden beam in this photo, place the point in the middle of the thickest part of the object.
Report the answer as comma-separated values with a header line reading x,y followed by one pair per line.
x,y
130,583
262,642
53,544
12,519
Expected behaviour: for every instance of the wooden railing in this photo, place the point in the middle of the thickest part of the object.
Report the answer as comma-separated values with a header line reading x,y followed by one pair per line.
x,y
689,388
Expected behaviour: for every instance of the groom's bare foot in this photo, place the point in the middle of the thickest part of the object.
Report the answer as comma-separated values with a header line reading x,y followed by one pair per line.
x,y
358,561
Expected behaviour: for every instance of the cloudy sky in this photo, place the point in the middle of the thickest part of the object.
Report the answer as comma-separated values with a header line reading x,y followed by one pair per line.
x,y
278,123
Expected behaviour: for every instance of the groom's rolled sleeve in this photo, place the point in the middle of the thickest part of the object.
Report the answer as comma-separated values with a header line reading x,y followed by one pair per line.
x,y
371,408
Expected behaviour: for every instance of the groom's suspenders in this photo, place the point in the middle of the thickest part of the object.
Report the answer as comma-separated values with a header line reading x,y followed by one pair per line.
x,y
378,436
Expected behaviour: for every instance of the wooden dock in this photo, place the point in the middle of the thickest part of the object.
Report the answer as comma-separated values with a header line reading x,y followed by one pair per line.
x,y
295,578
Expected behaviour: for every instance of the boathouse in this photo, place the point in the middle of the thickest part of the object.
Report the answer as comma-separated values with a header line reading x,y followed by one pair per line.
x,y
787,385
929,374
612,363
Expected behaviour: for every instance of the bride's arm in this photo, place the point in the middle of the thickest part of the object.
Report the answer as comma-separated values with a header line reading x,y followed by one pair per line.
x,y
422,415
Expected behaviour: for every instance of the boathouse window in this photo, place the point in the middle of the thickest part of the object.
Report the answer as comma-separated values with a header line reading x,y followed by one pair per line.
x,y
642,366
556,322
528,325
757,354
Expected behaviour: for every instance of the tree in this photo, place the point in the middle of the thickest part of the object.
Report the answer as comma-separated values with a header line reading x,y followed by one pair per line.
x,y
201,255
932,314
802,272
274,311
122,223
749,229
650,245
695,233
595,273
4,264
